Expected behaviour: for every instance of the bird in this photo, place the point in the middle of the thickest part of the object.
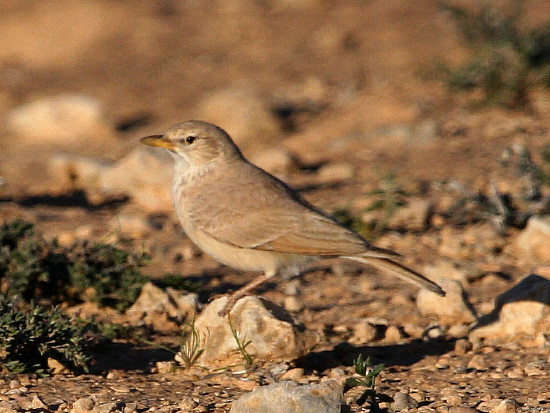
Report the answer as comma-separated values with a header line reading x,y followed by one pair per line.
x,y
247,219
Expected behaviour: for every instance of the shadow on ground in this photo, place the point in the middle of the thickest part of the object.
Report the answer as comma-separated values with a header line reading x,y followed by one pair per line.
x,y
395,355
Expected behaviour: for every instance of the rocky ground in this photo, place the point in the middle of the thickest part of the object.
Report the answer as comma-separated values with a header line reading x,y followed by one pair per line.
x,y
333,98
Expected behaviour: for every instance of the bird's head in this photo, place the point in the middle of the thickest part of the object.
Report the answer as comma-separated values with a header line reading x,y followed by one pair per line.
x,y
195,142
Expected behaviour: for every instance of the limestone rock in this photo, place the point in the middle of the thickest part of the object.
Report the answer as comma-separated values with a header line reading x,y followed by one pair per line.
x,y
154,305
56,367
130,226
534,240
451,309
145,175
58,119
334,172
272,333
290,397
365,331
524,310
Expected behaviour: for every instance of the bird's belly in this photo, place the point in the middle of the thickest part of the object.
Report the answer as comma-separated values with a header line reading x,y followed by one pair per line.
x,y
248,259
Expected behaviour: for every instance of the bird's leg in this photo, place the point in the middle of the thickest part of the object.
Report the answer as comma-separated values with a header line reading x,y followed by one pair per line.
x,y
241,292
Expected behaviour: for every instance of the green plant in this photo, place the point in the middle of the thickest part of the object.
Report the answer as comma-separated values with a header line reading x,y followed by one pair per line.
x,y
242,343
33,268
28,338
354,222
112,274
178,282
192,346
506,60
388,198
367,378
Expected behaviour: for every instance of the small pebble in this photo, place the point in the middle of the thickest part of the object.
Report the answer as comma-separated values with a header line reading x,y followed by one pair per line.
x,y
477,362
393,334
536,368
364,332
293,304
83,405
107,407
130,407
453,399
38,403
462,346
488,405
402,401
293,374
515,372
187,404
505,406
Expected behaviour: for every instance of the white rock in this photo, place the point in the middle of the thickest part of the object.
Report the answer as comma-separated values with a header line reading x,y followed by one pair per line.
x,y
130,226
393,334
153,301
290,397
58,119
451,309
524,310
365,332
334,173
145,174
293,304
458,331
272,333
534,240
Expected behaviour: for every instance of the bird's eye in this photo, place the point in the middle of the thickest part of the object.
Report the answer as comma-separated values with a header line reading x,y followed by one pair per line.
x,y
190,139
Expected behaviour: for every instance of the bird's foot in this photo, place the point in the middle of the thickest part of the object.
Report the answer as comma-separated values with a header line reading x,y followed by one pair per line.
x,y
231,300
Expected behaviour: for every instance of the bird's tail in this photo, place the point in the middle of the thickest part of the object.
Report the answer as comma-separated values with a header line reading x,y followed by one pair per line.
x,y
400,271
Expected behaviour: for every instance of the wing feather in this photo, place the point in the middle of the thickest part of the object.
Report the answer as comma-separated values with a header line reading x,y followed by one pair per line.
x,y
278,220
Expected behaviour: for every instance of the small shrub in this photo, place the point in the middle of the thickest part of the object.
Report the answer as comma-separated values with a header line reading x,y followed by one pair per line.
x,y
112,274
34,269
506,61
387,198
29,338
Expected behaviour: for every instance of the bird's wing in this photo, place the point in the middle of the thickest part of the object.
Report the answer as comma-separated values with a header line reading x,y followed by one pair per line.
x,y
274,219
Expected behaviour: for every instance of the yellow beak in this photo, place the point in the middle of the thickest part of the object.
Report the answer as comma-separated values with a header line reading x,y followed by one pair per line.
x,y
158,140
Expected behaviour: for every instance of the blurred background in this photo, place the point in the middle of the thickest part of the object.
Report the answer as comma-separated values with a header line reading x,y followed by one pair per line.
x,y
90,77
